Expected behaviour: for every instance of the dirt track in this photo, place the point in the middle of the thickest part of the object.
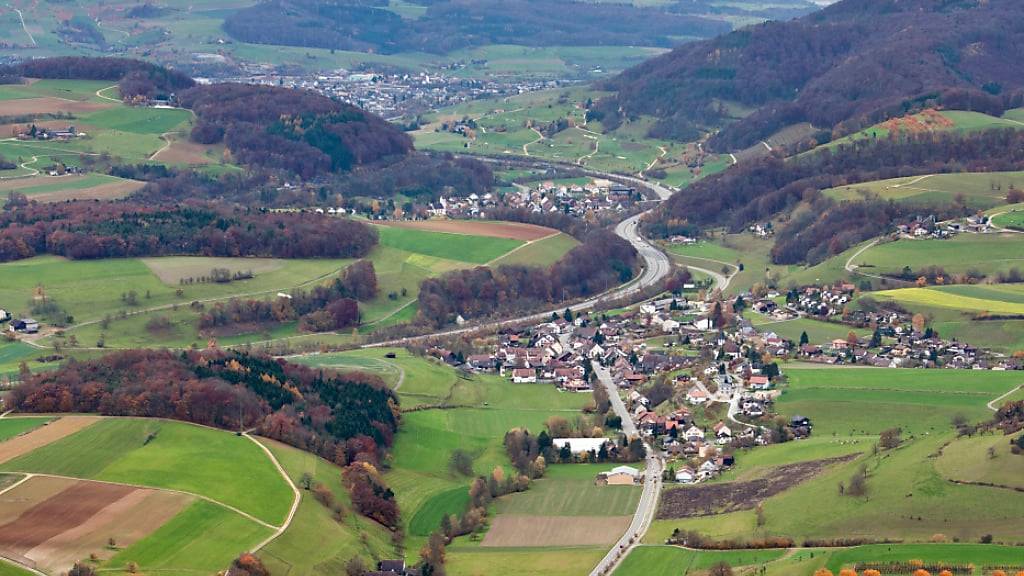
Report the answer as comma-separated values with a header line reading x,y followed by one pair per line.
x,y
513,230
532,531
43,435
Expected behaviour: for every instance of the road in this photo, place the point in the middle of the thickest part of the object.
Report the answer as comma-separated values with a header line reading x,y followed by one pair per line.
x,y
648,505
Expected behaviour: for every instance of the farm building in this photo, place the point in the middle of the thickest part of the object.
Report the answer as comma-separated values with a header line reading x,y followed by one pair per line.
x,y
620,476
26,325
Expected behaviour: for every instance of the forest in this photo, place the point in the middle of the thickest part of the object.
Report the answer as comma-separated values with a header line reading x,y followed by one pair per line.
x,y
135,77
843,67
89,230
602,261
289,129
757,190
451,25
341,417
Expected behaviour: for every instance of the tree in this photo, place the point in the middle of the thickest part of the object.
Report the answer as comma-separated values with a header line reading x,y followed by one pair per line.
x,y
721,569
804,339
461,462
248,564
918,322
822,572
432,555
851,338
355,567
872,572
891,438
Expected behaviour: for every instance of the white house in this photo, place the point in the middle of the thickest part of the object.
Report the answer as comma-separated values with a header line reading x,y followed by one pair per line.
x,y
524,375
686,475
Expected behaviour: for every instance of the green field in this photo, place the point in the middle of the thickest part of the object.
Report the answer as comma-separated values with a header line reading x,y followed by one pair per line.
x,y
986,253
541,252
44,184
996,299
466,560
168,454
423,380
980,190
459,247
665,560
865,401
818,331
203,538
11,427
569,490
316,543
969,460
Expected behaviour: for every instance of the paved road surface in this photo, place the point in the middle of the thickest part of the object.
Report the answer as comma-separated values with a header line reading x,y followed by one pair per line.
x,y
648,505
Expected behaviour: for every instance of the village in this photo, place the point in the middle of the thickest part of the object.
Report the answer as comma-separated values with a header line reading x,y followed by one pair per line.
x,y
698,377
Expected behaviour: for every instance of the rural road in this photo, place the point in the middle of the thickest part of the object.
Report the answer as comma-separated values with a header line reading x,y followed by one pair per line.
x,y
648,505
852,268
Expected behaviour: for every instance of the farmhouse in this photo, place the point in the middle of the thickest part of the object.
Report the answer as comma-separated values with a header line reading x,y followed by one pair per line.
x,y
524,375
25,325
620,476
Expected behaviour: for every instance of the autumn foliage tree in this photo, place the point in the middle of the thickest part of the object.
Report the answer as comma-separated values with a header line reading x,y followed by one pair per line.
x,y
248,564
370,494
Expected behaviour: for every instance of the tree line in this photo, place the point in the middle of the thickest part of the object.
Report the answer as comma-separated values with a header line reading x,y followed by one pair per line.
x,y
134,77
601,262
89,230
342,417
323,308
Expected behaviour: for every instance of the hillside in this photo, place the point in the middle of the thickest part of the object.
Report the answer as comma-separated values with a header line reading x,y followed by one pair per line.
x,y
845,67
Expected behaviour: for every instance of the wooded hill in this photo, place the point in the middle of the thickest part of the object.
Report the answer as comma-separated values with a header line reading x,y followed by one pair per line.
x,y
845,67
446,25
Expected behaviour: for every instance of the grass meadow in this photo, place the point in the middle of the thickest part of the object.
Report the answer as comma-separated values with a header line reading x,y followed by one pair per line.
x,y
646,560
569,490
459,247
987,253
11,427
980,190
167,454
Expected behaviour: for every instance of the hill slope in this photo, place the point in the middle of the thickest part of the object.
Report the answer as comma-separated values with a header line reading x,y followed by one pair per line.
x,y
849,64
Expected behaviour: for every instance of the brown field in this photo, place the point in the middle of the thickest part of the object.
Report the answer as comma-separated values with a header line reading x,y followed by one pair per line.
x,y
183,152
43,435
49,105
50,523
512,530
513,230
111,191
171,269
724,497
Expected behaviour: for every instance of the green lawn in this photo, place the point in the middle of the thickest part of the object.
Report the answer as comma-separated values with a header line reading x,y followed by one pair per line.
x,y
977,554
465,560
459,247
202,539
569,490
138,120
212,463
7,569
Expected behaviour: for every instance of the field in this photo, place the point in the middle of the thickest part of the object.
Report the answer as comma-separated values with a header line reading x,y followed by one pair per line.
x,y
969,460
907,497
980,191
515,531
543,252
54,522
15,446
75,187
11,427
986,253
464,560
510,230
1004,299
459,247
166,454
818,331
645,560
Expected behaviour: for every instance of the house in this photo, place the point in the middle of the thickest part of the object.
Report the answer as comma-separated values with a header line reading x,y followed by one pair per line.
x,y
760,382
524,375
694,434
686,475
723,433
620,476
25,325
4,315
696,396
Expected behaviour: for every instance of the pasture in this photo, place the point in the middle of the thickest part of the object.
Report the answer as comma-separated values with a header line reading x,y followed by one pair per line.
x,y
74,187
985,253
818,331
970,460
166,454
543,252
467,560
999,299
316,543
979,190
569,490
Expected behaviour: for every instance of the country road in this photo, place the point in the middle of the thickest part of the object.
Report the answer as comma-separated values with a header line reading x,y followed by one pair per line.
x,y
648,504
